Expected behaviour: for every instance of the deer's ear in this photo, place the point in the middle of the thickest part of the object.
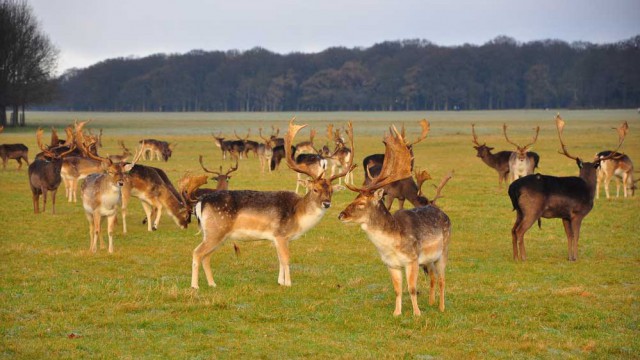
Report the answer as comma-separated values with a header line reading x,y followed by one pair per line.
x,y
377,196
128,167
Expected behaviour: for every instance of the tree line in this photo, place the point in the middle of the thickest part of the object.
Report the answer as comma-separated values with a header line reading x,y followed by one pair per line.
x,y
392,75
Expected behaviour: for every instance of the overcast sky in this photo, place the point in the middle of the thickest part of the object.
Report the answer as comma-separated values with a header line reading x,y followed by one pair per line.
x,y
89,31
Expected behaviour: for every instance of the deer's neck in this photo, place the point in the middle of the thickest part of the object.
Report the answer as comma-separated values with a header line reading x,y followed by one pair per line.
x,y
380,221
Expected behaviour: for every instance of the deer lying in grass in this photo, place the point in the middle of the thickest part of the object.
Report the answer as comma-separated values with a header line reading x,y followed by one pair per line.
x,y
569,198
616,166
279,216
409,239
522,162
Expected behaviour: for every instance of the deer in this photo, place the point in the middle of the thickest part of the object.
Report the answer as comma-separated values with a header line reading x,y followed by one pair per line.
x,y
378,159
234,148
403,189
156,192
407,239
220,178
619,167
126,153
17,152
102,195
569,198
151,148
265,152
315,163
340,157
44,174
306,147
248,145
278,216
522,162
498,161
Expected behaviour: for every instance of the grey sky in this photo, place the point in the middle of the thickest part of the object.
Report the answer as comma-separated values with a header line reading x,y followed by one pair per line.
x,y
88,31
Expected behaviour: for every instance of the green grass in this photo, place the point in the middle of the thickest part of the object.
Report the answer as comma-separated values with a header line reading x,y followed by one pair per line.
x,y
60,301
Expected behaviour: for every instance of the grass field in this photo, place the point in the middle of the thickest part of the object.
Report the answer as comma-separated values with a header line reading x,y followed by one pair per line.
x,y
58,300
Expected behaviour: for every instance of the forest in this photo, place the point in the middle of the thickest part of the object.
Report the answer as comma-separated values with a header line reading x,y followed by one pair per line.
x,y
389,76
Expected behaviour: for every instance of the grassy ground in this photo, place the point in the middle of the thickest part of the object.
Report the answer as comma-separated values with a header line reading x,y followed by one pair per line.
x,y
60,301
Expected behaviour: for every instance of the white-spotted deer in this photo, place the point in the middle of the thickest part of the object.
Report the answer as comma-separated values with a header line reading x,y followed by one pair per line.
x,y
616,166
522,162
569,198
44,174
409,239
102,195
279,216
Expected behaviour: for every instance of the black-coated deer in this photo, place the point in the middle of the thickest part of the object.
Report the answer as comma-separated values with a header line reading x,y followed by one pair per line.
x,y
522,162
569,198
279,216
44,174
17,152
616,166
409,239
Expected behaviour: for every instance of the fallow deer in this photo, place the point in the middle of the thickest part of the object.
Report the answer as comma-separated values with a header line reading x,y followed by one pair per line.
x,y
151,148
17,152
220,178
619,167
102,196
265,152
306,147
126,153
44,174
498,161
340,156
522,162
542,196
404,189
248,145
279,216
234,148
409,239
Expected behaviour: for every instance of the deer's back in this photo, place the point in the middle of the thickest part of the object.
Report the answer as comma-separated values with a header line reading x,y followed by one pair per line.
x,y
425,231
555,197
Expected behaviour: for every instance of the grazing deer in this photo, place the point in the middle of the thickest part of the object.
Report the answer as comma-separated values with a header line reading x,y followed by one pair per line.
x,y
378,159
522,162
156,193
102,195
151,148
569,198
618,166
17,152
279,216
409,239
44,174
265,152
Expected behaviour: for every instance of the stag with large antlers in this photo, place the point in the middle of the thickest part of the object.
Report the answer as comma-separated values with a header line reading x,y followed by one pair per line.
x,y
569,198
44,174
378,159
409,239
614,164
279,216
102,194
498,161
220,178
522,162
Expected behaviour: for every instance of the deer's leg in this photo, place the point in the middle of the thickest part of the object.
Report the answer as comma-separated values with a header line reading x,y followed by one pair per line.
x,y
91,232
202,255
298,179
19,163
53,200
625,183
282,247
126,196
567,229
527,221
440,266
4,163
411,272
514,236
607,180
148,212
430,271
396,279
617,187
35,197
44,199
111,223
575,228
158,213
97,220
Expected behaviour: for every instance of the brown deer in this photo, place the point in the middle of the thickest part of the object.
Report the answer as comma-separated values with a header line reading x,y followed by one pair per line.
x,y
306,147
17,152
235,148
279,216
220,178
404,189
265,152
619,167
409,239
340,156
522,162
102,196
151,148
44,174
498,161
541,196
248,145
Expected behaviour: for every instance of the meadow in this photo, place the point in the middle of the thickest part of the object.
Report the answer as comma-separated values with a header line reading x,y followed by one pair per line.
x,y
58,300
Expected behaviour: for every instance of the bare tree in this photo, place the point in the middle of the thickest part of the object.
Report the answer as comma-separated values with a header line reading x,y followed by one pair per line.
x,y
27,60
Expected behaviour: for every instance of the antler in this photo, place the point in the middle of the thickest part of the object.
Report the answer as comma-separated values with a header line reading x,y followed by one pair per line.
x,y
330,132
55,141
504,130
245,138
48,152
440,187
475,137
421,177
622,133
396,165
425,130
288,141
261,136
188,184
232,169
312,134
207,170
349,167
560,127
535,137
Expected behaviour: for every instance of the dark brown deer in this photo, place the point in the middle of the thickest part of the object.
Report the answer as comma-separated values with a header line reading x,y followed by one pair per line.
x,y
220,178
151,148
44,174
404,189
17,152
522,162
248,145
279,216
409,239
569,198
498,161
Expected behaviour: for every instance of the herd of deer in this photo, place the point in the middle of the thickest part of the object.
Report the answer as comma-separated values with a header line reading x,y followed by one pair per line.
x,y
407,239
